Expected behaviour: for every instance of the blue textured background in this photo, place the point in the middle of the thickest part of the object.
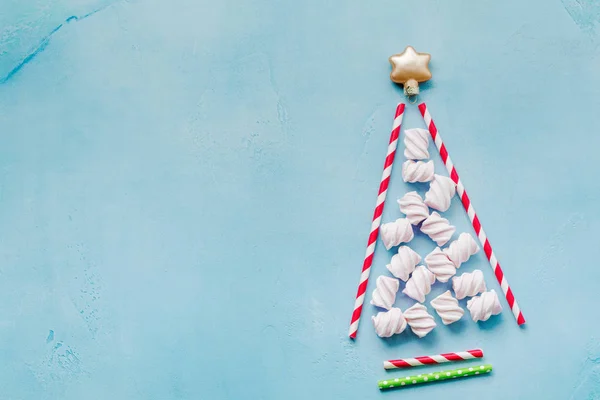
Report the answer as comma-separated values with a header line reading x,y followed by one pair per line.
x,y
186,189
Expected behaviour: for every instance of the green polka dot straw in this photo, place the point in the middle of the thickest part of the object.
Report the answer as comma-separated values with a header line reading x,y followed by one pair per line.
x,y
393,383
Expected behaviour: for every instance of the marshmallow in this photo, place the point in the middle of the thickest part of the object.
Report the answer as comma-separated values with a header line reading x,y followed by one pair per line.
x,y
484,306
403,263
385,293
461,249
437,228
389,323
394,233
447,308
468,284
417,171
419,320
440,193
419,284
416,142
438,263
412,205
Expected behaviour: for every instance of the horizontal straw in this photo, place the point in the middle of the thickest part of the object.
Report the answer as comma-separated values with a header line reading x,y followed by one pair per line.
x,y
435,359
434,377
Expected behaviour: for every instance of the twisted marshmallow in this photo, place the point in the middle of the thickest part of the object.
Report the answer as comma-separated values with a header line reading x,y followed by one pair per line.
x,y
461,249
385,293
416,142
447,308
468,284
419,284
403,263
412,205
440,193
438,263
417,171
394,233
484,306
389,323
419,320
438,228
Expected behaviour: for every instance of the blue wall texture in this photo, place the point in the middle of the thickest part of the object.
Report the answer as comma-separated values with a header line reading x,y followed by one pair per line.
x,y
186,188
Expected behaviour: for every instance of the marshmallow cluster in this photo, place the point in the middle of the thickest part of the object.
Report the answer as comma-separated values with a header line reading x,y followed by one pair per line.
x,y
441,263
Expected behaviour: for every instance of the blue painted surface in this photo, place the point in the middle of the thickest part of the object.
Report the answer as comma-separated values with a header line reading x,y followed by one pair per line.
x,y
186,189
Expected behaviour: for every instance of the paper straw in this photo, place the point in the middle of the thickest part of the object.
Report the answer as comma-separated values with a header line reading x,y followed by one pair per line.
x,y
434,377
435,359
383,187
466,202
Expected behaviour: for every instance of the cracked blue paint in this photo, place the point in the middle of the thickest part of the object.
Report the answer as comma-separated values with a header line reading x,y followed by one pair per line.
x,y
44,43
585,13
31,55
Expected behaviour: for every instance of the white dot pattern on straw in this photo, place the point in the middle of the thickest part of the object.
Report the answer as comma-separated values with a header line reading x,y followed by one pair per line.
x,y
433,376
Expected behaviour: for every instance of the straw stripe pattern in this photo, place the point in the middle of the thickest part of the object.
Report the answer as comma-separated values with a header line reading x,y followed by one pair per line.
x,y
383,187
435,359
466,202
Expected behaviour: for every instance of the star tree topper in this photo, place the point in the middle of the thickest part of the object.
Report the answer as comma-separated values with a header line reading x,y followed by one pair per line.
x,y
409,68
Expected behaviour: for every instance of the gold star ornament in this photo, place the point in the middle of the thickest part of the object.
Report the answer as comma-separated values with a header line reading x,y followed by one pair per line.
x,y
409,68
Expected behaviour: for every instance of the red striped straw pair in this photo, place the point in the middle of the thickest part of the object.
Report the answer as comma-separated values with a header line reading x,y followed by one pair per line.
x,y
466,202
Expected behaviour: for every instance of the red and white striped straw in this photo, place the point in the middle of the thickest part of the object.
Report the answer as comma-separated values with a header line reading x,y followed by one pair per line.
x,y
460,189
436,359
383,187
